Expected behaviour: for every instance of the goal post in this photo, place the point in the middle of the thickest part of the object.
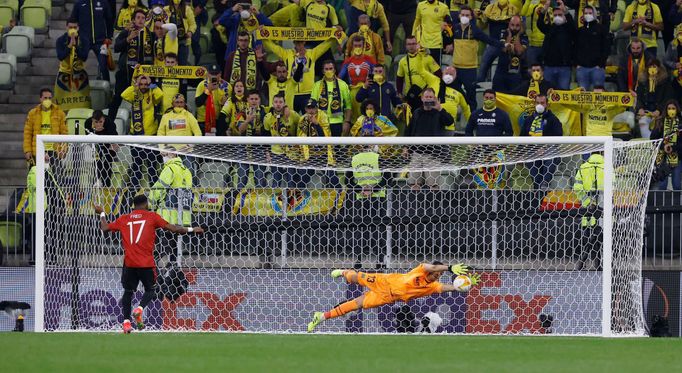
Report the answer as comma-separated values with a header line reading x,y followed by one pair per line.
x,y
286,210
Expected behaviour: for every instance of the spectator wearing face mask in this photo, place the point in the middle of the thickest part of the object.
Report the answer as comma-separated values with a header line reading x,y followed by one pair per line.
x,y
559,43
379,91
512,59
96,23
542,123
372,45
240,18
531,11
465,56
44,119
177,121
643,20
453,100
182,15
376,17
592,48
653,88
537,84
673,60
489,120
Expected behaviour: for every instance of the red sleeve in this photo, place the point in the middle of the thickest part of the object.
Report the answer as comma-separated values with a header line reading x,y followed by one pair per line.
x,y
159,221
117,224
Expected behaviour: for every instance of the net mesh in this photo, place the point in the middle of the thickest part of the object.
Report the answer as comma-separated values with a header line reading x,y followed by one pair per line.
x,y
527,217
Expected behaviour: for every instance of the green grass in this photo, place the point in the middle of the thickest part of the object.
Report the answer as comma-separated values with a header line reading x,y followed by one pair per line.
x,y
203,352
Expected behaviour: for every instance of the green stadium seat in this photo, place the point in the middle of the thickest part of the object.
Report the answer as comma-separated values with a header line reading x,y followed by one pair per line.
x,y
8,71
100,94
205,41
75,121
36,14
19,42
8,11
11,234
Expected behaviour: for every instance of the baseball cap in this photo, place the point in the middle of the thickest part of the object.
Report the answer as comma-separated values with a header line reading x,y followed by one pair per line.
x,y
312,103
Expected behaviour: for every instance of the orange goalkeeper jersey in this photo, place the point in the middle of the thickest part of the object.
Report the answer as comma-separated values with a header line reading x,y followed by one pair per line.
x,y
401,286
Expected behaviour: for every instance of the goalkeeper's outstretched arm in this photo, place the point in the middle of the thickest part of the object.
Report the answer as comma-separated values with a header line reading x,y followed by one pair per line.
x,y
458,269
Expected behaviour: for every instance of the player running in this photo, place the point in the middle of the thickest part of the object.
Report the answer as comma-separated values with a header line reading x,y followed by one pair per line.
x,y
387,288
138,232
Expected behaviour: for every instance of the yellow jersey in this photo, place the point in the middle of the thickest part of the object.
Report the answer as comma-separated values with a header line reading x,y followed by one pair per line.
x,y
427,24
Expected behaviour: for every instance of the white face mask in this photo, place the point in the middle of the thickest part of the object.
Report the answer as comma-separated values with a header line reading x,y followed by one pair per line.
x,y
157,10
465,20
539,108
245,14
559,20
448,79
589,18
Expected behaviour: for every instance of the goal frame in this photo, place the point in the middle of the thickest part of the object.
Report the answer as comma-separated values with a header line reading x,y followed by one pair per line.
x,y
606,141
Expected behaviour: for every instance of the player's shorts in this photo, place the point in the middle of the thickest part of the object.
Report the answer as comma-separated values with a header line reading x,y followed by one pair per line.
x,y
131,277
379,289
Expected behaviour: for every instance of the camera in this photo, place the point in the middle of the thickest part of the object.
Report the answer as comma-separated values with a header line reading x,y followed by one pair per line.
x,y
245,6
214,80
429,104
371,76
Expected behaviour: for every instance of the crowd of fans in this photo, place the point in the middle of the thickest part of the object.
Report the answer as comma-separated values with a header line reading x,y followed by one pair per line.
x,y
322,88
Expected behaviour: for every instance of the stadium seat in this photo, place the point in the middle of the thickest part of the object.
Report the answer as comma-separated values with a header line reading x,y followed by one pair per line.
x,y
100,94
36,14
8,11
191,106
75,120
11,234
8,71
19,42
205,41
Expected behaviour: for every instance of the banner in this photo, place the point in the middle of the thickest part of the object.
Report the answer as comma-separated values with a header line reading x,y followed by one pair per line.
x,y
661,297
268,202
177,72
72,90
519,107
208,199
300,34
591,98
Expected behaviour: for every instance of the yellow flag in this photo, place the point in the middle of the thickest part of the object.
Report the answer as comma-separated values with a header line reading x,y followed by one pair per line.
x,y
177,72
519,107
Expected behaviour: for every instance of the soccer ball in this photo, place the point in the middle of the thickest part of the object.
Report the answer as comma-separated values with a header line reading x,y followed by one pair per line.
x,y
462,283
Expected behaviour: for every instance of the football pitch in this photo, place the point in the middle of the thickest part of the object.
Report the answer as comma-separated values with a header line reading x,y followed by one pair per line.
x,y
205,352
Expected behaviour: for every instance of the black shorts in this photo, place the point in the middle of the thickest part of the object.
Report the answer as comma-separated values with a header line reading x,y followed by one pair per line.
x,y
131,277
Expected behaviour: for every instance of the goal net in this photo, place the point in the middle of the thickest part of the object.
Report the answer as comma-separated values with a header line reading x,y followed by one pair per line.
x,y
553,225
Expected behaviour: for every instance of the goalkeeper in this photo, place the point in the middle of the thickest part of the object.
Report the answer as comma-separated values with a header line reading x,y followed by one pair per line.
x,y
386,288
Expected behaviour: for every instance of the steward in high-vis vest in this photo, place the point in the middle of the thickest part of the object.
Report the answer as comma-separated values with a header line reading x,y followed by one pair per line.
x,y
367,175
173,191
589,180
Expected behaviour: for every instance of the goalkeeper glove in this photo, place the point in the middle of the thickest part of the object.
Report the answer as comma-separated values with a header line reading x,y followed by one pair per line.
x,y
459,269
475,279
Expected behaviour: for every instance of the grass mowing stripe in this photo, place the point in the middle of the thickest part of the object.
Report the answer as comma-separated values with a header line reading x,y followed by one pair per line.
x,y
205,352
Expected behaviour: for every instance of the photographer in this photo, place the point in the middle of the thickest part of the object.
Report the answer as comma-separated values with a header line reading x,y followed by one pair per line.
x,y
429,120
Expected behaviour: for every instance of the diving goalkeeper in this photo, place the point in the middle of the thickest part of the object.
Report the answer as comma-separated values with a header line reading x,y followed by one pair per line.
x,y
386,288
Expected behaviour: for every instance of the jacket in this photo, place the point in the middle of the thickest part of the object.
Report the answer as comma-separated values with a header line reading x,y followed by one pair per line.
x,y
549,125
588,180
95,23
173,189
64,52
178,124
232,20
489,123
383,95
592,45
33,123
559,41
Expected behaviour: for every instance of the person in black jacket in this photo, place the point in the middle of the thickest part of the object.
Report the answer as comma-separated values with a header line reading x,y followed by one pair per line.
x,y
558,45
101,125
604,10
96,23
428,120
542,123
134,47
489,120
592,47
